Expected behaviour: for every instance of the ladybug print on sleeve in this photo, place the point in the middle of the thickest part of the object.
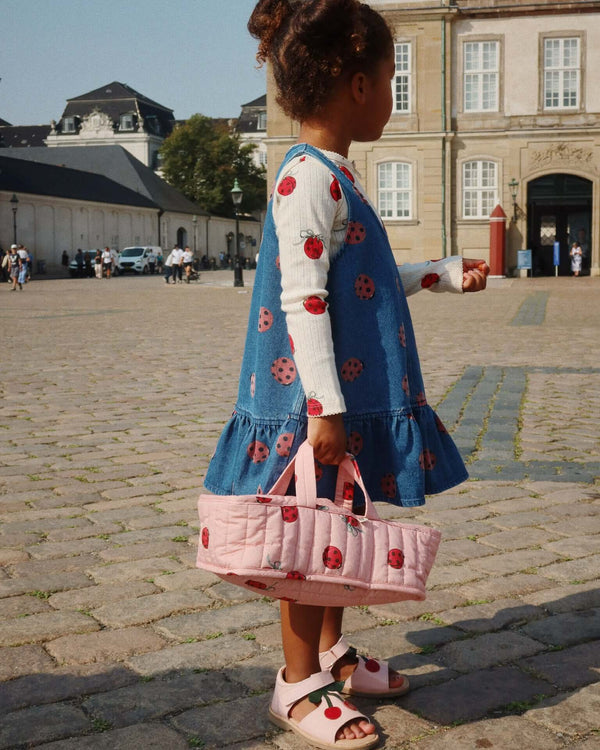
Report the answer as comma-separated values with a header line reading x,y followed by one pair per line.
x,y
335,190
348,173
286,186
315,305
314,407
429,280
313,245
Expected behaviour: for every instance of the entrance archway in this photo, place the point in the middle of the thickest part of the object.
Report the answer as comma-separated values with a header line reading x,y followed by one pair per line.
x,y
559,209
182,237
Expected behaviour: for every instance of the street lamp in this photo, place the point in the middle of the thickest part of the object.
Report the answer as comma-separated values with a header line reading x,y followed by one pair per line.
x,y
514,189
195,223
236,196
15,204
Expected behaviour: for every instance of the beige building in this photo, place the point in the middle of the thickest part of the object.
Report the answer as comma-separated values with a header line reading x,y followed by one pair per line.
x,y
494,103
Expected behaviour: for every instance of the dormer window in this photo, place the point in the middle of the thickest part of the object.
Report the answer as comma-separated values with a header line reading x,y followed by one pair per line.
x,y
262,121
68,125
126,122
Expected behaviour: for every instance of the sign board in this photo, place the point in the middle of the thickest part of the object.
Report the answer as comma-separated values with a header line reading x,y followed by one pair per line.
x,y
556,254
524,259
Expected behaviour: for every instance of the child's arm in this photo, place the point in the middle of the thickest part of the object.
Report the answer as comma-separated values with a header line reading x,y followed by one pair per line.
x,y
306,210
453,274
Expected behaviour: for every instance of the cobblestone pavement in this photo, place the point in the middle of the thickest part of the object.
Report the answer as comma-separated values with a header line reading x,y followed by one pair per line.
x,y
113,394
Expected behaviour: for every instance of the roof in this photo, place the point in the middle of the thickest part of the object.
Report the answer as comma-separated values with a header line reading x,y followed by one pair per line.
x,y
117,164
116,99
248,120
23,136
3,123
261,101
30,177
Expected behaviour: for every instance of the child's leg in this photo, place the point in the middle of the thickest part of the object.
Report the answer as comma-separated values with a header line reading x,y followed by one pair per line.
x,y
331,632
301,627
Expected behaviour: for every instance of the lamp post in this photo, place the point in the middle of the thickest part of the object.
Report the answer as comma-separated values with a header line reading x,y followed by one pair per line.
x,y
514,189
14,204
236,196
195,223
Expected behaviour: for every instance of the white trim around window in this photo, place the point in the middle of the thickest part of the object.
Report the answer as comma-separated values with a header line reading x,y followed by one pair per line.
x,y
481,75
402,82
395,190
479,188
562,73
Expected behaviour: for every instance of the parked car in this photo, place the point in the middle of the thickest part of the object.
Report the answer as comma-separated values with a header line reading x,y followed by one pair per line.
x,y
136,258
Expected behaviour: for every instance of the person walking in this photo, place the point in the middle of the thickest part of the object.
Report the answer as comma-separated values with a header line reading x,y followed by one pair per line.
x,y
98,264
177,261
330,352
107,262
576,254
186,261
152,262
169,268
14,267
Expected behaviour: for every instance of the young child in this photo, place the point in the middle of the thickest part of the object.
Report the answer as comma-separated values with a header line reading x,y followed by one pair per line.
x,y
330,352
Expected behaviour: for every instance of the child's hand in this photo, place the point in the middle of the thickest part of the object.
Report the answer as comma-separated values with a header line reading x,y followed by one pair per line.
x,y
328,438
475,273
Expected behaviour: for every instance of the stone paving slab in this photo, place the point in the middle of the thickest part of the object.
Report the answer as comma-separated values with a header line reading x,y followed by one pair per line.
x,y
98,530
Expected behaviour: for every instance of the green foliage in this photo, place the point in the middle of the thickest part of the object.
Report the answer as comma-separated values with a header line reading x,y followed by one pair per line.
x,y
202,159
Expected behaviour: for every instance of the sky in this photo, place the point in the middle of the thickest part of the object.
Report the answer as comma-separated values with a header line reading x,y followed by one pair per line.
x,y
189,55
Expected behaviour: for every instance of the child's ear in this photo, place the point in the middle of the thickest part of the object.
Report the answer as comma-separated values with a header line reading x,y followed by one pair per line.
x,y
358,85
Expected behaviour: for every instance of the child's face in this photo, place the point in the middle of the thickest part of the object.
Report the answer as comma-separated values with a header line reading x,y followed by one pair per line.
x,y
380,103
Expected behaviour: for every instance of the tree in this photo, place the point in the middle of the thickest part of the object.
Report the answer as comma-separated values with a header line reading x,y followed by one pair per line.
x,y
202,159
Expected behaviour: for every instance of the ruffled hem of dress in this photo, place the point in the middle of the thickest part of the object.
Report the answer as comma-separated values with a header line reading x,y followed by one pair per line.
x,y
402,456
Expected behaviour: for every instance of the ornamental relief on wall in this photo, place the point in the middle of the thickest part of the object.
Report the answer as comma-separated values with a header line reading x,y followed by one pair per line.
x,y
561,155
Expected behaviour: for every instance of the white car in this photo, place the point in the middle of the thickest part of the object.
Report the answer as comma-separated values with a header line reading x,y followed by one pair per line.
x,y
136,258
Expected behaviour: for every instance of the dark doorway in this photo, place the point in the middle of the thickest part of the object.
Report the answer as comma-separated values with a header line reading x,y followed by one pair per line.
x,y
559,208
182,239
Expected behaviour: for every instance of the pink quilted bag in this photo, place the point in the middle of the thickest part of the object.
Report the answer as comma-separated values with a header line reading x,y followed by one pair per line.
x,y
311,550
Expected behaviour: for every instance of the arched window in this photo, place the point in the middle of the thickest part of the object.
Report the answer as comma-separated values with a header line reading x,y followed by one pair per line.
x,y
394,190
479,189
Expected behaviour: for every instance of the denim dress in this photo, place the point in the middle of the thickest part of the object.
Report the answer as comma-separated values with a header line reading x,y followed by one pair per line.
x,y
402,448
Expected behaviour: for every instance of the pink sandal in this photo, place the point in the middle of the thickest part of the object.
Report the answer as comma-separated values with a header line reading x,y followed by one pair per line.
x,y
371,676
321,725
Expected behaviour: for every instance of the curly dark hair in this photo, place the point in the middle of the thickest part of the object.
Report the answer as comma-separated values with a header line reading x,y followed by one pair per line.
x,y
311,43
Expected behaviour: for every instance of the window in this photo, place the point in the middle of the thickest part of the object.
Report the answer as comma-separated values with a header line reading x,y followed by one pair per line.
x,y
68,125
126,122
480,188
394,184
403,77
262,121
561,73
480,76
262,158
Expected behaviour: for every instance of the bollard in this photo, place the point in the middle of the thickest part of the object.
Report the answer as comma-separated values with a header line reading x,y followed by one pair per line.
x,y
497,242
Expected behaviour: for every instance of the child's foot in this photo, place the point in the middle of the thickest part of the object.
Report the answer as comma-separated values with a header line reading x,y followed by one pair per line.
x,y
362,675
352,730
314,710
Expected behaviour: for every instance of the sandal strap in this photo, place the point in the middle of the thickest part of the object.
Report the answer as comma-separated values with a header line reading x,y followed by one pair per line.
x,y
288,693
333,713
328,658
370,676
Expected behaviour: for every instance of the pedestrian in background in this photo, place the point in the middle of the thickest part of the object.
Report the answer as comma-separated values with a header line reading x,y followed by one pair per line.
x,y
98,264
107,261
177,263
169,267
14,267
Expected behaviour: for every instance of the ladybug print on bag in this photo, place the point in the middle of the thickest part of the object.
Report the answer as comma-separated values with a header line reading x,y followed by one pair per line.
x,y
313,246
265,319
364,287
258,452
286,186
396,558
351,369
335,190
283,370
294,575
205,537
315,305
318,471
388,485
284,444
348,491
352,525
289,513
332,558
355,233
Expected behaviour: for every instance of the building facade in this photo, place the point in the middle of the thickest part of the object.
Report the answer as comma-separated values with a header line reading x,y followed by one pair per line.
x,y
494,104
252,128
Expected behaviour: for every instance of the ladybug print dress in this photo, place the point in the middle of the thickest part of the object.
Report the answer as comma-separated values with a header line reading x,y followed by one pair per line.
x,y
401,446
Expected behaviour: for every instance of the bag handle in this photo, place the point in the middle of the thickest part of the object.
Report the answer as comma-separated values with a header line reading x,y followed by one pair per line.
x,y
302,466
